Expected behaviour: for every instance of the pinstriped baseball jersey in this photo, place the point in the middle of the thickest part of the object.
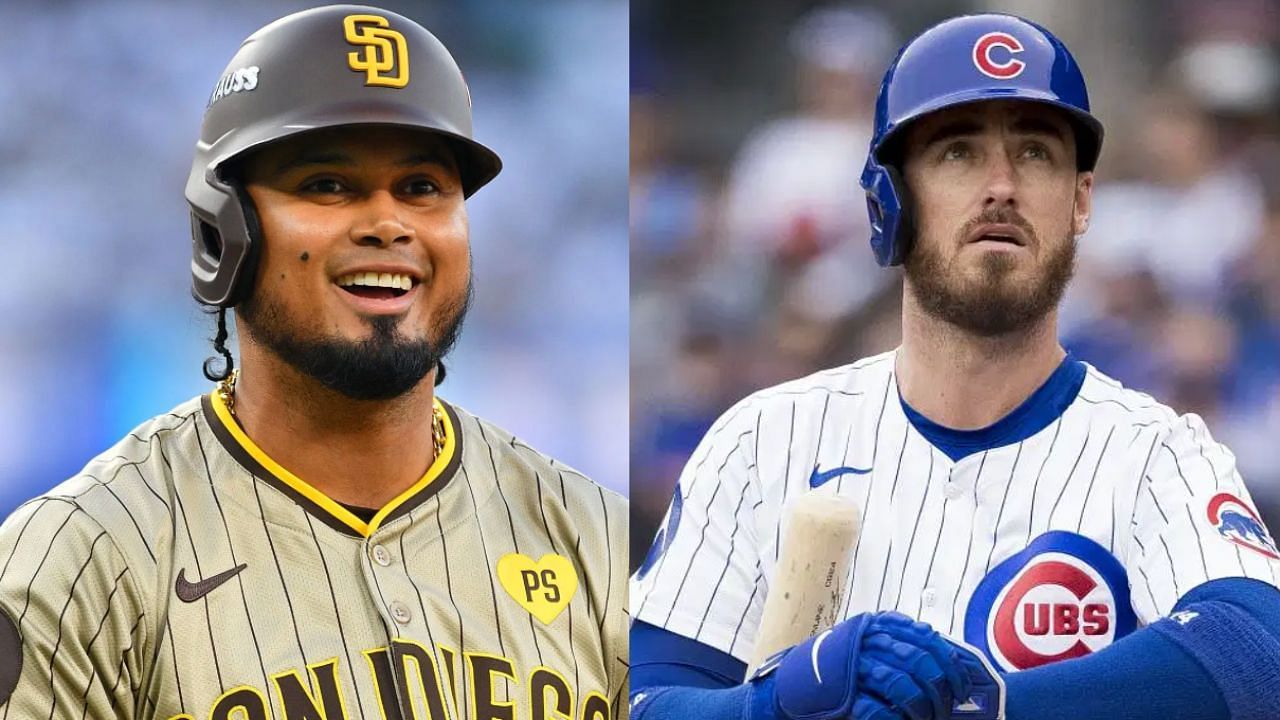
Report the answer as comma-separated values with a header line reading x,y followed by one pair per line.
x,y
184,574
1089,509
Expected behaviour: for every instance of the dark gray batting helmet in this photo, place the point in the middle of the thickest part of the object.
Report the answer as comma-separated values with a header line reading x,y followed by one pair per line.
x,y
322,68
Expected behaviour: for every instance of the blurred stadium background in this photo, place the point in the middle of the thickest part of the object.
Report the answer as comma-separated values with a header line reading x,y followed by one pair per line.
x,y
749,257
102,106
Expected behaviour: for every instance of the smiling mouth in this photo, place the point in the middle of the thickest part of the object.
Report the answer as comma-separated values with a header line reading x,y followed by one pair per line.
x,y
376,286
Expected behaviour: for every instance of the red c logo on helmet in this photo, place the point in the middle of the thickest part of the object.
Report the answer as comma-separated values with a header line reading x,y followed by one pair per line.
x,y
1007,70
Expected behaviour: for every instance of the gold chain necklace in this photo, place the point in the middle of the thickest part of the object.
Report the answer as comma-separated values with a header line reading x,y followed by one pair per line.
x,y
227,393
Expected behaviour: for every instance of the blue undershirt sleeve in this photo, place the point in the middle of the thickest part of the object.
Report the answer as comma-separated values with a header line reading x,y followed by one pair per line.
x,y
673,676
1232,628
661,657
1217,657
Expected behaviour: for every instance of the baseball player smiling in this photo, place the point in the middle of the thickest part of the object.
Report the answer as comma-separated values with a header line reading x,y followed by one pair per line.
x,y
322,536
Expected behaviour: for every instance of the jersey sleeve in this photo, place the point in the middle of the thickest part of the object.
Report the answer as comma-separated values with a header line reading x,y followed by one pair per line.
x,y
1193,522
72,629
702,577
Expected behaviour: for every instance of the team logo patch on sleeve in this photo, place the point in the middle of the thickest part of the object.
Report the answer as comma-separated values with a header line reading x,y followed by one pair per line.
x,y
544,588
1237,523
1062,597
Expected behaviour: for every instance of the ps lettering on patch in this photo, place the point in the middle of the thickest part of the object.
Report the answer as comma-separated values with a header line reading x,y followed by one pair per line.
x,y
544,581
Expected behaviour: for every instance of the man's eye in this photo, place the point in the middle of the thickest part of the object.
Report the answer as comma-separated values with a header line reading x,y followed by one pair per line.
x,y
323,186
1036,151
958,151
421,186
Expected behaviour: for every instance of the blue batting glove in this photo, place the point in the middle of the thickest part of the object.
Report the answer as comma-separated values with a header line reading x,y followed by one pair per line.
x,y
915,650
878,666
986,696
959,682
823,678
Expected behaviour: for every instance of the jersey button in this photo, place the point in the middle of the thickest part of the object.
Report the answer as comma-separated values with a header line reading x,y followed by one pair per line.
x,y
381,555
953,491
930,596
400,612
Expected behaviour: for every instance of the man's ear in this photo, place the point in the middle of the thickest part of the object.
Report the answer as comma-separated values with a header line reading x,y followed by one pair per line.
x,y
1083,204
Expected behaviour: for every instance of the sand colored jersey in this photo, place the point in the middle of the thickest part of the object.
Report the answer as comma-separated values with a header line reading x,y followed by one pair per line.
x,y
1087,511
184,574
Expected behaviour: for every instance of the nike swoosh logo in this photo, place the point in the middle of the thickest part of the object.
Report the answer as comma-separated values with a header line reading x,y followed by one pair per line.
x,y
192,591
813,654
819,478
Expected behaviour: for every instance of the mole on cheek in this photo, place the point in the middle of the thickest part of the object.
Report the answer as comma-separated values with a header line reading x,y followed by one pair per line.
x,y
305,256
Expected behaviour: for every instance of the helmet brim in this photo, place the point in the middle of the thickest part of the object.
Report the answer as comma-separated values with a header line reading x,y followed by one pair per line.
x,y
477,163
1088,130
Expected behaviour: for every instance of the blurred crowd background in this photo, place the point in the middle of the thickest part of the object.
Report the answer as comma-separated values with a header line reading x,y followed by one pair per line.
x,y
749,265
102,105
750,261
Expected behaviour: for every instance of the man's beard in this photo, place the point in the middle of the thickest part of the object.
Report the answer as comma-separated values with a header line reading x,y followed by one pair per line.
x,y
382,366
992,305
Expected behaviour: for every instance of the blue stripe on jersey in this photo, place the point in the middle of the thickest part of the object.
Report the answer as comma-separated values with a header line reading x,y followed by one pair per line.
x,y
1036,413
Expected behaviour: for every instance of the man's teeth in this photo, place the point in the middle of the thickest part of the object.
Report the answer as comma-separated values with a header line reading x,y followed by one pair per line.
x,y
373,279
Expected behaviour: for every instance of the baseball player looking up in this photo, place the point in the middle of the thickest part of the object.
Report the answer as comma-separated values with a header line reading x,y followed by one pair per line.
x,y
1038,541
322,536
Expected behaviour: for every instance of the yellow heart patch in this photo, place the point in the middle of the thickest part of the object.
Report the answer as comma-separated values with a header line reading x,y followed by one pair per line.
x,y
544,588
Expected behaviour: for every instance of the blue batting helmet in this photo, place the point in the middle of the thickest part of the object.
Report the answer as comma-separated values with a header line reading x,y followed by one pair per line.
x,y
963,60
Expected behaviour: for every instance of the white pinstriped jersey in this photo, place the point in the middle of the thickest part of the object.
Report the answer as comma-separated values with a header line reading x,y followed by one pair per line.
x,y
184,575
1086,512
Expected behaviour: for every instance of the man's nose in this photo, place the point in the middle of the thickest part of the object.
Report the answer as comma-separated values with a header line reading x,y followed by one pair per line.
x,y
1001,180
380,222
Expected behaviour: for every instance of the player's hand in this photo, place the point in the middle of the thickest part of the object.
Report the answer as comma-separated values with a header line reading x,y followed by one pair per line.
x,y
902,647
936,662
880,666
870,667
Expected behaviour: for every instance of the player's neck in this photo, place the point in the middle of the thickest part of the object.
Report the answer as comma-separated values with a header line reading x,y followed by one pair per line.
x,y
966,382
357,452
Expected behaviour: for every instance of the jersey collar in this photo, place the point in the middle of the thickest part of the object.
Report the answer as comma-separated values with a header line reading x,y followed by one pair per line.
x,y
1035,413
256,461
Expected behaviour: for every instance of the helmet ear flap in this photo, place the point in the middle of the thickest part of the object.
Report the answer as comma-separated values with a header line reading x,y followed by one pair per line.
x,y
242,283
888,209
225,245
207,240
904,233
